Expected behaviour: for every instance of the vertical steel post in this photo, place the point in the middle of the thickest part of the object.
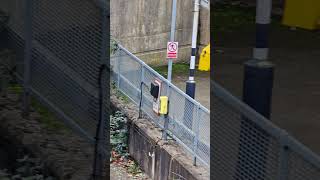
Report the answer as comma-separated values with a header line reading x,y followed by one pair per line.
x,y
27,57
283,159
100,171
196,138
118,68
166,116
141,93
172,33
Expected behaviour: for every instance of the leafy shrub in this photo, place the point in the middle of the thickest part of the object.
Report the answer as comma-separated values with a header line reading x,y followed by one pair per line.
x,y
119,134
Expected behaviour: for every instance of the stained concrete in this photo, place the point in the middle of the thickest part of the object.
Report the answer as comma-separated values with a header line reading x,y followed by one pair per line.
x,y
143,27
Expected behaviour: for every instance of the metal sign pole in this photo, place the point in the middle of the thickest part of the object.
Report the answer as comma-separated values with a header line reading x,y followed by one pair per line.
x,y
172,32
173,28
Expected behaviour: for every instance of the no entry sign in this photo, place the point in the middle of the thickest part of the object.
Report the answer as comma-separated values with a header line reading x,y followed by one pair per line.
x,y
172,50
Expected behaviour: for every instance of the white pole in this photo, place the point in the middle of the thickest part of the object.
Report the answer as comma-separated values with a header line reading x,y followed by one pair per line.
x,y
191,84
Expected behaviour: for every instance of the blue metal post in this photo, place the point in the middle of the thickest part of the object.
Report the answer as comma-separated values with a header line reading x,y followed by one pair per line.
x,y
257,93
191,83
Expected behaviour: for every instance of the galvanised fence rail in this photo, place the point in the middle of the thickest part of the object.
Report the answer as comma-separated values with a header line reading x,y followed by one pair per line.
x,y
247,146
188,121
60,49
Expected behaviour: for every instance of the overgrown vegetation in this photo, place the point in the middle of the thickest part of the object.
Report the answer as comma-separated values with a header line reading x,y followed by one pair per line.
x,y
26,168
119,143
119,134
119,94
113,46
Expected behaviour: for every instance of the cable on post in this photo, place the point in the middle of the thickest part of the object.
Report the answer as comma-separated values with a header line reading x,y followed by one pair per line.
x,y
99,159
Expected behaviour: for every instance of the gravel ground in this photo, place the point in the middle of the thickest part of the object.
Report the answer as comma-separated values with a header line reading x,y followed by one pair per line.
x,y
118,172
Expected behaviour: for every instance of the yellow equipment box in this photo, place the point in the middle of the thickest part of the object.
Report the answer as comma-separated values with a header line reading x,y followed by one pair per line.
x,y
204,61
163,105
302,13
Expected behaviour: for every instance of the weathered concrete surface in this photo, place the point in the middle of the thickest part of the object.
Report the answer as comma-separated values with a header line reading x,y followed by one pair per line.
x,y
171,161
143,27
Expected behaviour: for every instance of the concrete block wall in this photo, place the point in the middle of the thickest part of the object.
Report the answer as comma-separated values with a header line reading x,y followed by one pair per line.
x,y
143,27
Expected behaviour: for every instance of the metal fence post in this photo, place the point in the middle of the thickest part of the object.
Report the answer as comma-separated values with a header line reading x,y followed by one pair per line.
x,y
283,159
27,58
118,68
196,138
166,117
141,93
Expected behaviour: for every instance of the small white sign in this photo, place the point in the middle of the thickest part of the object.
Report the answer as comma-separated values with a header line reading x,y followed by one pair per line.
x,y
172,50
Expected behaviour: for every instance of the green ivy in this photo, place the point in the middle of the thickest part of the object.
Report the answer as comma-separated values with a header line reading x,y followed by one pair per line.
x,y
119,134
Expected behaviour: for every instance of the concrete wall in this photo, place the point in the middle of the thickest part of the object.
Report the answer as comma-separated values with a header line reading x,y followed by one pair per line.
x,y
143,27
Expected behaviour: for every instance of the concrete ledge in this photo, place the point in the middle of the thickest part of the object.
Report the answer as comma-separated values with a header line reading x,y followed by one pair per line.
x,y
170,162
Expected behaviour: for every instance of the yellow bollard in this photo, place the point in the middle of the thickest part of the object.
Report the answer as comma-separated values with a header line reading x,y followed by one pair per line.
x,y
304,14
204,61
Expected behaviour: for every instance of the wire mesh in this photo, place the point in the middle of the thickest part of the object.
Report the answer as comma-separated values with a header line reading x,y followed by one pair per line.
x,y
189,121
300,169
66,50
67,44
247,146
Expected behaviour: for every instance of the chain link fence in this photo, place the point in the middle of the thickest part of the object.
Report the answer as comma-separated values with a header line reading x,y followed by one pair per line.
x,y
60,47
188,121
247,146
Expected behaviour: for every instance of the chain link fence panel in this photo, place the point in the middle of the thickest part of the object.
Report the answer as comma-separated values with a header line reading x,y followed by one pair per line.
x,y
188,120
248,146
60,47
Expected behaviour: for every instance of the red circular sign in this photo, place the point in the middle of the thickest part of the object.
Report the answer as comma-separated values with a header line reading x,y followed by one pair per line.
x,y
172,47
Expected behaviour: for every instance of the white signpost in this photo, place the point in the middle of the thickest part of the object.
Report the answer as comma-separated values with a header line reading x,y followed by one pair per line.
x,y
172,50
